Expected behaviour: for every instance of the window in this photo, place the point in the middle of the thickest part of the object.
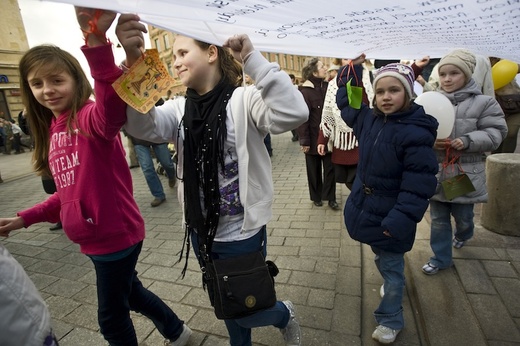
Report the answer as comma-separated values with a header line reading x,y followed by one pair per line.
x,y
157,44
166,42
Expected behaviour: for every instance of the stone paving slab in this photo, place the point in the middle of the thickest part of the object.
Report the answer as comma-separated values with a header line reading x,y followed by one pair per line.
x,y
331,279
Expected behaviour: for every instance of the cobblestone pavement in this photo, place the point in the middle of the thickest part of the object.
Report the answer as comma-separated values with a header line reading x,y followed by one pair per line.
x,y
331,279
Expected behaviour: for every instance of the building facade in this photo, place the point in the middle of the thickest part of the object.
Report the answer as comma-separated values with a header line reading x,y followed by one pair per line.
x,y
13,44
163,40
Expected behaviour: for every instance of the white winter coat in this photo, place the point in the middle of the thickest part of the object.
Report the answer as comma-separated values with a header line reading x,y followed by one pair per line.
x,y
272,105
24,316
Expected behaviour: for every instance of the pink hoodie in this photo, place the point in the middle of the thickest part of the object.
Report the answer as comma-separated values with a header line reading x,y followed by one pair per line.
x,y
94,198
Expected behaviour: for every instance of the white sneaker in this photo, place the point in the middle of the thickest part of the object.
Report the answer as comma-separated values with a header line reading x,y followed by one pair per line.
x,y
382,291
182,339
291,333
384,334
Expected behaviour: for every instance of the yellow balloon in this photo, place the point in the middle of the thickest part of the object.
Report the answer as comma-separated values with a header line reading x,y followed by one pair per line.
x,y
503,72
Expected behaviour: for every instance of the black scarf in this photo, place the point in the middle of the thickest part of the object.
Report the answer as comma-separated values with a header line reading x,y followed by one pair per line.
x,y
204,136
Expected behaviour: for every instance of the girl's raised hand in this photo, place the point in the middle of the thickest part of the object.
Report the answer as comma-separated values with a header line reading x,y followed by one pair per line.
x,y
241,46
423,61
129,32
94,23
359,60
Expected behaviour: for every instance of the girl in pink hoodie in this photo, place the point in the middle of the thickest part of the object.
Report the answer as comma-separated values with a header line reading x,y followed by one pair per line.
x,y
77,141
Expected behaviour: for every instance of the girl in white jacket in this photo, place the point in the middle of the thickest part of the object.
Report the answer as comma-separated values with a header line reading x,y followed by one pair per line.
x,y
226,185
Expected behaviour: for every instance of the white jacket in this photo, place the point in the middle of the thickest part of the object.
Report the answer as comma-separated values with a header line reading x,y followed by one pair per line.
x,y
272,105
24,316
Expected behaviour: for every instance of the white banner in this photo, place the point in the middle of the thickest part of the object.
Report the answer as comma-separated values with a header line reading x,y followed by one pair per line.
x,y
381,29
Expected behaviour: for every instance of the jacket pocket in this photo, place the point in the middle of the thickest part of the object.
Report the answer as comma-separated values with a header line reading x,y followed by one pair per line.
x,y
75,225
368,230
477,175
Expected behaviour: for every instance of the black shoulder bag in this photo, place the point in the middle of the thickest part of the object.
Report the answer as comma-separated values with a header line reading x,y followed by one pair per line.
x,y
238,286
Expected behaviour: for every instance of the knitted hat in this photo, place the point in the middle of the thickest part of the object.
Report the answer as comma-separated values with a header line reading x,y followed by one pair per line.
x,y
463,59
402,72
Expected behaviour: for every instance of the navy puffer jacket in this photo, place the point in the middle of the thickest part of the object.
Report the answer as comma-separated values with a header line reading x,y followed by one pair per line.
x,y
395,174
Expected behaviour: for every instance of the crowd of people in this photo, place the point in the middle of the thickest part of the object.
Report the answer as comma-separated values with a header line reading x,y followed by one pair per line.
x,y
383,147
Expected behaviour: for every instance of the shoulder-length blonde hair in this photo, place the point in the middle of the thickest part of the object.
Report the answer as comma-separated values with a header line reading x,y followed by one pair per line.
x,y
47,60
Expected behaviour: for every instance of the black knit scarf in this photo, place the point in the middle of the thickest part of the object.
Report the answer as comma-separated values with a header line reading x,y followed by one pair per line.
x,y
204,137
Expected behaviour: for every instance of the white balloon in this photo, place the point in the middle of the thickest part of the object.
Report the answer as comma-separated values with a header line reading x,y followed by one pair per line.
x,y
438,106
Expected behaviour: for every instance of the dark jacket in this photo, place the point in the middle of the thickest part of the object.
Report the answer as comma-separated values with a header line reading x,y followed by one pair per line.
x,y
313,91
395,175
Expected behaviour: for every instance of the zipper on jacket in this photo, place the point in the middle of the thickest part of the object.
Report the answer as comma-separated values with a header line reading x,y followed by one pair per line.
x,y
371,151
364,175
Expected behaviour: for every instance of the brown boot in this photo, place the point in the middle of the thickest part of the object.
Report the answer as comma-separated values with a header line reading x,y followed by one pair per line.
x,y
157,202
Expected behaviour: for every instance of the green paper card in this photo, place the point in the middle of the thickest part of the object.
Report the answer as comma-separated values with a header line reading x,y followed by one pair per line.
x,y
457,186
355,95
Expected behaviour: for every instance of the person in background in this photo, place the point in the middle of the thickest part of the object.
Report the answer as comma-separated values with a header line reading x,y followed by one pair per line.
x,y
218,129
336,137
134,163
268,146
144,156
479,127
320,171
378,63
7,134
17,139
94,197
22,122
332,71
143,152
294,132
428,69
508,98
394,180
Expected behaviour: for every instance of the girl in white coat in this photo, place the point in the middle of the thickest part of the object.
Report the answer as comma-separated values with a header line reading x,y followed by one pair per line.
x,y
226,185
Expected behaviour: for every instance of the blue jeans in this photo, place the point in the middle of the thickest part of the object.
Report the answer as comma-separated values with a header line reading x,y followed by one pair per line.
x,y
441,230
146,162
119,291
240,329
391,267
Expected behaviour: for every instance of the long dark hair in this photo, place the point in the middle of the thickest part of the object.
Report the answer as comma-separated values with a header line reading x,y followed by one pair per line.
x,y
49,59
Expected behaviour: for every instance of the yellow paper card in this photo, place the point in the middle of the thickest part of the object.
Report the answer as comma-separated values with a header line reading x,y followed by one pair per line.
x,y
145,83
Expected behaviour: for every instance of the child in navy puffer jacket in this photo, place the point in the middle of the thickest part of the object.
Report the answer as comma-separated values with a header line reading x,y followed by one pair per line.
x,y
394,180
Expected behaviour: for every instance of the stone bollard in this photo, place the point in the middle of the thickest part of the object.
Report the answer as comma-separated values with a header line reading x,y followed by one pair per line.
x,y
501,214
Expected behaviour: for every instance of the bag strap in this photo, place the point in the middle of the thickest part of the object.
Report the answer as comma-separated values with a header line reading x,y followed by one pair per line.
x,y
350,71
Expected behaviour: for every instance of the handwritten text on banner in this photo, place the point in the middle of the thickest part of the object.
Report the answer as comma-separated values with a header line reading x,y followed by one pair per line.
x,y
382,29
